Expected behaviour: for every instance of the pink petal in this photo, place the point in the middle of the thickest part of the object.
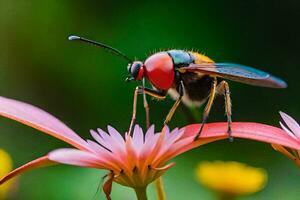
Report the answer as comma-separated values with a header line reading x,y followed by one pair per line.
x,y
288,131
40,162
76,157
150,132
114,144
158,144
291,123
151,153
99,150
166,167
118,150
247,130
100,140
150,141
40,120
107,157
182,146
113,162
148,147
115,135
138,138
172,138
218,131
131,157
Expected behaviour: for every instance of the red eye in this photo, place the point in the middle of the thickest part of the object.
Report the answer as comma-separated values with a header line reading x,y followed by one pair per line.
x,y
159,69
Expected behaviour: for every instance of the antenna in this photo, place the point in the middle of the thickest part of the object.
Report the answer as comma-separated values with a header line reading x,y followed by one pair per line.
x,y
104,46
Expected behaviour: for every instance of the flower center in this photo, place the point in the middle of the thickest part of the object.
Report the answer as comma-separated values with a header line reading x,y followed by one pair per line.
x,y
138,177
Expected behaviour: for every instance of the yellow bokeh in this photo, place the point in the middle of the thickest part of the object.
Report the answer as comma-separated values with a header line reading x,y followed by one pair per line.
x,y
5,167
231,178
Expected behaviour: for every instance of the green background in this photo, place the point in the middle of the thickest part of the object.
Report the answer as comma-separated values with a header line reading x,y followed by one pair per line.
x,y
84,86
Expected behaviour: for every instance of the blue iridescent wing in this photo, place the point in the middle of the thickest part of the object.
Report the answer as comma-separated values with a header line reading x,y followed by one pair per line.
x,y
237,72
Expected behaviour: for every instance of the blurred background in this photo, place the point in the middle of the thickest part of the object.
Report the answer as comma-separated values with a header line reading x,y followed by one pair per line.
x,y
84,86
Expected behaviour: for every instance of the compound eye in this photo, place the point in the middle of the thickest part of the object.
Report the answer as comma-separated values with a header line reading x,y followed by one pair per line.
x,y
134,69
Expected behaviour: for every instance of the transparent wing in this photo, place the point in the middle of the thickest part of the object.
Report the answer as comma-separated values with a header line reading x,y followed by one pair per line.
x,y
237,72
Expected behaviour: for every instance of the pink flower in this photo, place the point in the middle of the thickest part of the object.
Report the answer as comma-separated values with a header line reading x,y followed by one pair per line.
x,y
133,161
292,129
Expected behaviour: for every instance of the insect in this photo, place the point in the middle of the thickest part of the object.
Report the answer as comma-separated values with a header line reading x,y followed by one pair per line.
x,y
189,77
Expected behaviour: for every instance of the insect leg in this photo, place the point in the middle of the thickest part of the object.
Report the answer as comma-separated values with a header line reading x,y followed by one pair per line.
x,y
208,107
146,106
133,118
146,91
154,93
223,88
176,104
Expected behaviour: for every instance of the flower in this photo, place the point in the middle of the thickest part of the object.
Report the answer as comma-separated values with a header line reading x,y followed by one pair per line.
x,y
292,128
133,161
231,179
5,167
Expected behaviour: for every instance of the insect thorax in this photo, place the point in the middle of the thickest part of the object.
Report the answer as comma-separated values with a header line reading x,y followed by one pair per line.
x,y
197,85
181,58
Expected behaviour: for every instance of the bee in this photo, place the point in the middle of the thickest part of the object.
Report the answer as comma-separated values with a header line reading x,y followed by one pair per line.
x,y
188,77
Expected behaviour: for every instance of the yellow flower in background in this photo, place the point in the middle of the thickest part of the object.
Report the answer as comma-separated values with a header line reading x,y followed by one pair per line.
x,y
5,167
231,179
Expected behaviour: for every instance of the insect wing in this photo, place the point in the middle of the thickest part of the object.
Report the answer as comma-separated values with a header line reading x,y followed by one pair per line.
x,y
237,72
